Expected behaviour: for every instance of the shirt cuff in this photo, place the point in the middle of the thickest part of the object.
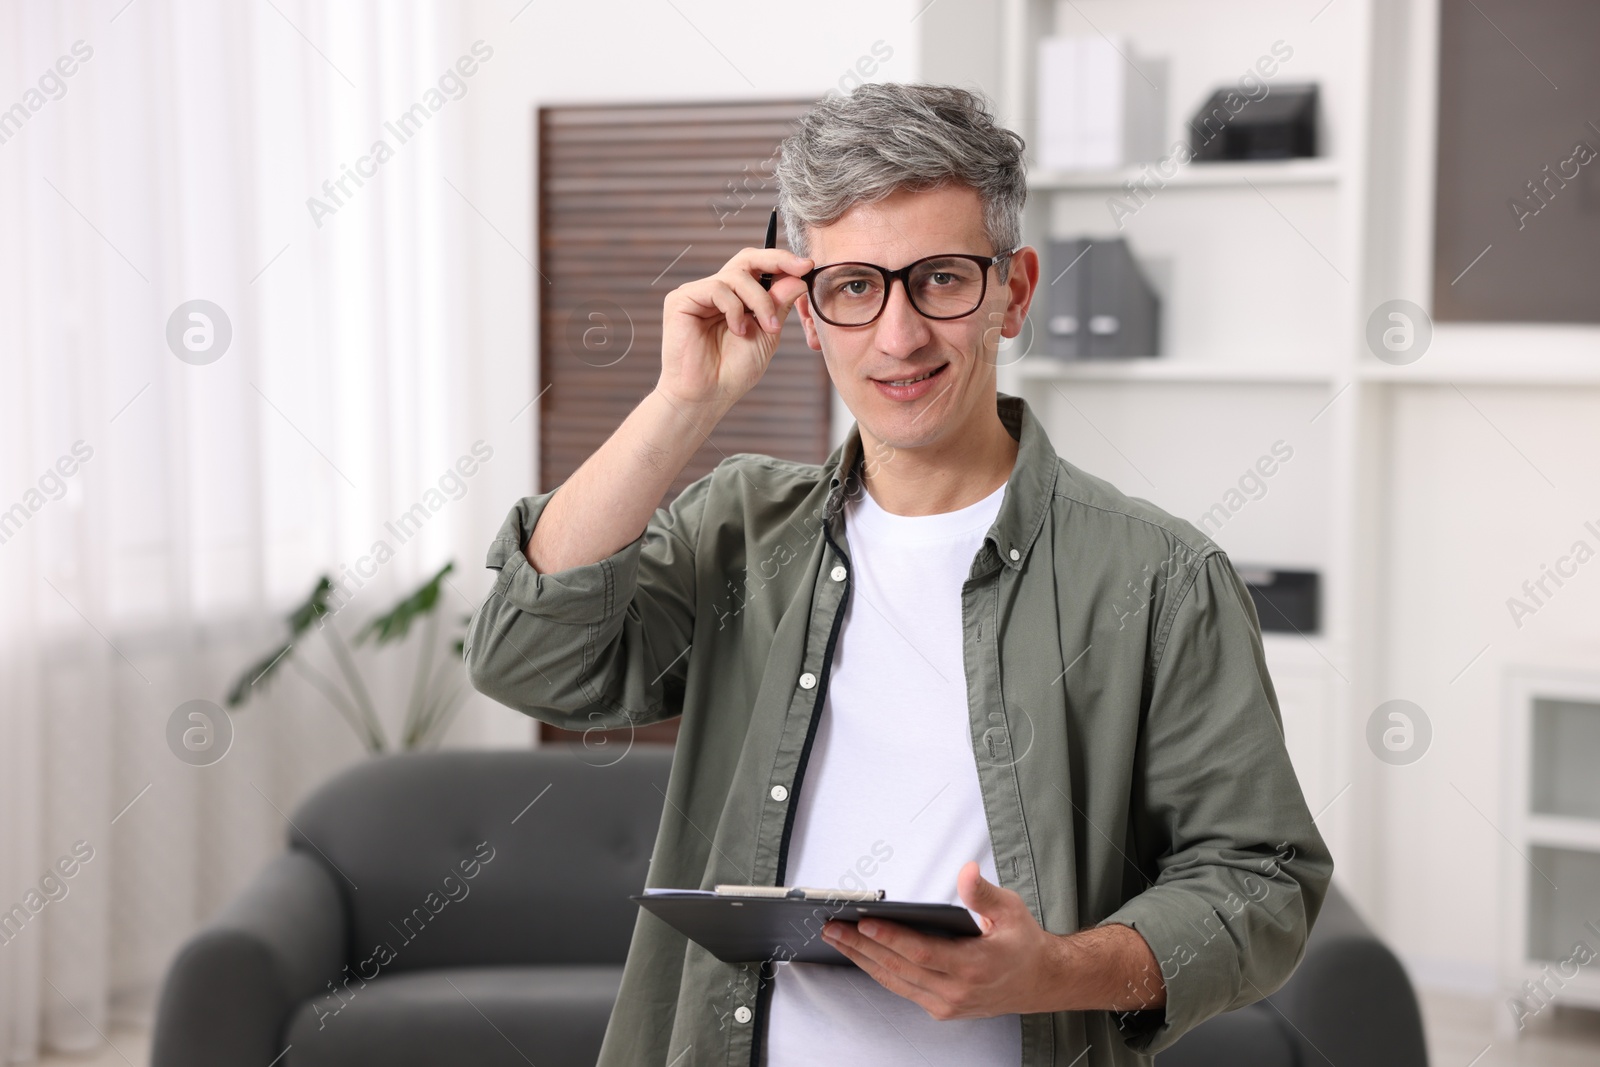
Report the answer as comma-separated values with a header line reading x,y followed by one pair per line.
x,y
586,594
1198,961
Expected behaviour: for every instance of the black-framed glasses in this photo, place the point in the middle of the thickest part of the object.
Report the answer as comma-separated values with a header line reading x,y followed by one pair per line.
x,y
940,287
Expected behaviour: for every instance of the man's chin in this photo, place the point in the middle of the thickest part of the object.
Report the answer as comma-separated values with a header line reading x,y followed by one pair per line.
x,y
904,426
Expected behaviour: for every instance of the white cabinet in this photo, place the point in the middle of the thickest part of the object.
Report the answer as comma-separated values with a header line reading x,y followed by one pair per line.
x,y
1551,873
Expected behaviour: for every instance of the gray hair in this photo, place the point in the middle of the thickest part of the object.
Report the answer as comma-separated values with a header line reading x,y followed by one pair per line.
x,y
886,137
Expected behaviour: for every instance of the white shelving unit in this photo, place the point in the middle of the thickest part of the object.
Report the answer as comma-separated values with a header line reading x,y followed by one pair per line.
x,y
1201,176
1260,269
1167,370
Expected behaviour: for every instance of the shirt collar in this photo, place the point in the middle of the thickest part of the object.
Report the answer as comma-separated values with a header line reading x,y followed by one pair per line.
x,y
1028,490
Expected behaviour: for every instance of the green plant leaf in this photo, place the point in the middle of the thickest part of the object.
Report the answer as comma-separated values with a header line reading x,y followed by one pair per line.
x,y
396,623
304,616
258,672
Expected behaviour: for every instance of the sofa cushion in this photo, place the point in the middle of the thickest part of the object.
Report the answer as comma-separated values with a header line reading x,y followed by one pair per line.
x,y
485,1016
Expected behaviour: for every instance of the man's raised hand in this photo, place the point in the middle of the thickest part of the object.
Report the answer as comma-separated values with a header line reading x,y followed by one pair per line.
x,y
718,334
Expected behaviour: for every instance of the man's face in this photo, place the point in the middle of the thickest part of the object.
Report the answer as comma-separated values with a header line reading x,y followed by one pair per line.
x,y
955,358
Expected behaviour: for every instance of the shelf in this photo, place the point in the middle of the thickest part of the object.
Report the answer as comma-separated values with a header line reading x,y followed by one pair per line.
x,y
1193,176
1500,353
1454,374
1161,369
1557,831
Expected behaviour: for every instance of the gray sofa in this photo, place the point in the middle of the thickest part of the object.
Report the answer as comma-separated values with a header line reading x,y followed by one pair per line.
x,y
491,888
519,963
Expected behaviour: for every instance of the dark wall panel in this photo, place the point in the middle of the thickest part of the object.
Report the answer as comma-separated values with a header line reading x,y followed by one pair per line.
x,y
635,200
1518,178
632,202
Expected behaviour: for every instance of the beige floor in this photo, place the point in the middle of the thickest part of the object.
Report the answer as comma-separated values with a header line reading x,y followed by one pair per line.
x,y
128,1048
1461,1033
1461,1028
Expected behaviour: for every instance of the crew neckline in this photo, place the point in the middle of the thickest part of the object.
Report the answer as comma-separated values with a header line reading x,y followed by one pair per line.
x,y
868,515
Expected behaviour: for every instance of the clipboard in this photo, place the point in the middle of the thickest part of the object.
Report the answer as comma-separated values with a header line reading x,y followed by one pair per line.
x,y
737,928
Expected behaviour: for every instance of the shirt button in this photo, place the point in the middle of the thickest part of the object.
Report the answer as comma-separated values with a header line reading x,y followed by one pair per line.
x,y
779,793
1015,555
837,574
741,1014
808,681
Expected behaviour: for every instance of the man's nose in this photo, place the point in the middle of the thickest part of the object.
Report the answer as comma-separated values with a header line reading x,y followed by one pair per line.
x,y
901,329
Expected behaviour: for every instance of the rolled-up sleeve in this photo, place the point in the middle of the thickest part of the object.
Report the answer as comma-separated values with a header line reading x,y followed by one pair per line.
x,y
1220,815
601,645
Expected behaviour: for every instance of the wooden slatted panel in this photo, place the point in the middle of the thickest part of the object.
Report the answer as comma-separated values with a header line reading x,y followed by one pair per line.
x,y
633,201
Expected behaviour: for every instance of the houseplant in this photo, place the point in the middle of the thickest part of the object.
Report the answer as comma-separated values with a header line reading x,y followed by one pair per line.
x,y
438,685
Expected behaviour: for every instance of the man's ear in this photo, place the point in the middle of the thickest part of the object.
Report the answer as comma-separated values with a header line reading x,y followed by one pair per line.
x,y
803,306
1022,281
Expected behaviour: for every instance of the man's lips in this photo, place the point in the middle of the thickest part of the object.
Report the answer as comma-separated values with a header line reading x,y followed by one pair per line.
x,y
908,379
906,388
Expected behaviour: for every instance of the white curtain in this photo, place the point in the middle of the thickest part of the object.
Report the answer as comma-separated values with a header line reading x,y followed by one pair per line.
x,y
158,514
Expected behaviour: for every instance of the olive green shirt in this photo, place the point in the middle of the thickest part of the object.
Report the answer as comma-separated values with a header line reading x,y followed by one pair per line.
x,y
1128,741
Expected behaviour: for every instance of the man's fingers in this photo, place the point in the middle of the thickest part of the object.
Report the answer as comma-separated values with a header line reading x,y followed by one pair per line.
x,y
713,297
769,306
788,293
734,292
919,949
758,300
982,896
893,982
732,307
898,949
733,297
758,261
930,999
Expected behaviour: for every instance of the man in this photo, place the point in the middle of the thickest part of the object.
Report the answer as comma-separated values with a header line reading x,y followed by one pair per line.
x,y
945,663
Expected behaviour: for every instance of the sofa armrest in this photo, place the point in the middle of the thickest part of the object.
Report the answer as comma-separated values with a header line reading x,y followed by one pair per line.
x,y
1350,999
229,993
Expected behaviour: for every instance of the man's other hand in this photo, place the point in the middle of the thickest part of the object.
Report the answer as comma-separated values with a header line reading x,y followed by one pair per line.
x,y
1014,965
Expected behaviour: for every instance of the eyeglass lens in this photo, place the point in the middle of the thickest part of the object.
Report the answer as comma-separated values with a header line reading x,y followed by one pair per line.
x,y
852,294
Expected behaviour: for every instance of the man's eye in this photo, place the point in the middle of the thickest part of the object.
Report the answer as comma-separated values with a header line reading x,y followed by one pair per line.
x,y
856,287
941,277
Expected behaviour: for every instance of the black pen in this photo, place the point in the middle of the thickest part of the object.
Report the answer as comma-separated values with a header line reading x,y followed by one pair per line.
x,y
772,242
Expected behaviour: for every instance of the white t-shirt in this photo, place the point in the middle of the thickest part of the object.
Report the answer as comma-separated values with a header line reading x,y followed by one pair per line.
x,y
890,798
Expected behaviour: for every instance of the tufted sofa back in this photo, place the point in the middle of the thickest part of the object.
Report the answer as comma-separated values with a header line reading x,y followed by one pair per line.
x,y
483,858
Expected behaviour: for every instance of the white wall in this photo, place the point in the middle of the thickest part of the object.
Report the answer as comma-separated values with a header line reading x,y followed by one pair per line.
x,y
1472,518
